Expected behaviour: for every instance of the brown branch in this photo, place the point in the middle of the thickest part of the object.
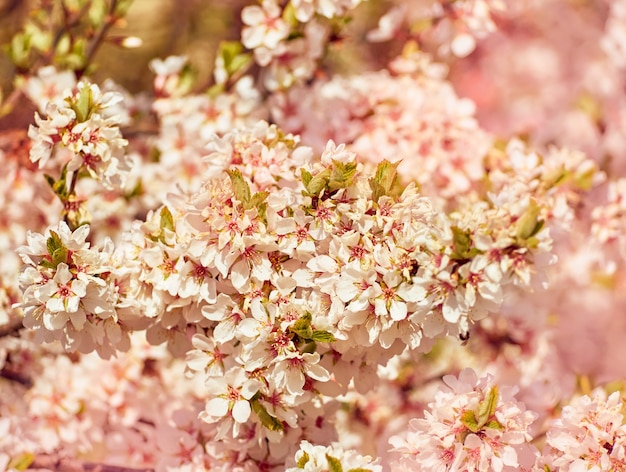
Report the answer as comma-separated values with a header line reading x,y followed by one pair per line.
x,y
12,327
16,377
96,42
63,464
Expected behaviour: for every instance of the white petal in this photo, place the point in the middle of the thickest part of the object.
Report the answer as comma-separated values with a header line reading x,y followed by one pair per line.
x,y
241,411
217,407
398,310
322,263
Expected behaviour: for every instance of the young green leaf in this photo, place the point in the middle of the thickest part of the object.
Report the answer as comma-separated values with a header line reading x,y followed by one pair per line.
x,y
257,201
487,408
167,220
342,175
302,326
21,461
304,458
385,180
306,177
334,464
322,336
469,420
83,105
267,420
462,241
240,186
529,224
319,182
57,251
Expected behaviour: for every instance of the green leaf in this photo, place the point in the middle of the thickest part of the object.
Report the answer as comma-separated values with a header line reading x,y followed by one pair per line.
x,y
19,49
469,420
306,177
257,201
487,408
241,188
59,187
21,461
334,464
122,6
267,420
56,249
83,104
342,175
322,336
584,181
167,220
462,244
385,180
304,458
494,424
236,61
319,182
529,224
302,326
289,15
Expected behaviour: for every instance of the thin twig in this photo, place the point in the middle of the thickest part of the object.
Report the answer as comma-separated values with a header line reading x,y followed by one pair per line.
x,y
12,327
99,37
64,464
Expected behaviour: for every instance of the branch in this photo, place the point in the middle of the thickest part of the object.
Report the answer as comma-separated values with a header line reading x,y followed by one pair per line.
x,y
55,463
96,42
12,327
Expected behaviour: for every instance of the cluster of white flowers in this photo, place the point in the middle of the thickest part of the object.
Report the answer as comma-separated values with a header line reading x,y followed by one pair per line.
x,y
296,277
289,40
68,295
609,220
614,41
276,300
310,458
471,425
409,114
83,121
454,25
589,435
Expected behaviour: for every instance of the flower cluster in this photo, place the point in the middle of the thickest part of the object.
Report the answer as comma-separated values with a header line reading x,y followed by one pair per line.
x,y
296,277
285,262
85,122
288,41
409,114
471,425
68,295
454,26
188,122
310,458
589,435
609,220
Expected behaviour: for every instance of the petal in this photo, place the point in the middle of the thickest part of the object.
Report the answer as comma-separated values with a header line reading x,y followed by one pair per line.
x,y
322,263
55,321
55,305
78,319
217,407
398,310
241,411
